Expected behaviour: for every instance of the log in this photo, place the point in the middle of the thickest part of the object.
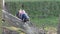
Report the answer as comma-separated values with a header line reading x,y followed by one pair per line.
x,y
16,22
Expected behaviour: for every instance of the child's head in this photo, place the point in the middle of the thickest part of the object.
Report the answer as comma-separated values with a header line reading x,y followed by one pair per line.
x,y
22,11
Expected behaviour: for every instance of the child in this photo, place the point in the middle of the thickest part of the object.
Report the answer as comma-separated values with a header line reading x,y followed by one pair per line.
x,y
23,15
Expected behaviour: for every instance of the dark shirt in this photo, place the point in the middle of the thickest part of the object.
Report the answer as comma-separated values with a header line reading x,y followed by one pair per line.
x,y
21,16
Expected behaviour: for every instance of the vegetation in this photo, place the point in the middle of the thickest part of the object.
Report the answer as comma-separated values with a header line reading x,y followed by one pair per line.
x,y
40,12
40,9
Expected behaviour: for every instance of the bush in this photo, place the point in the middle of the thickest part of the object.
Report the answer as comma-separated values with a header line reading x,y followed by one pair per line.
x,y
46,9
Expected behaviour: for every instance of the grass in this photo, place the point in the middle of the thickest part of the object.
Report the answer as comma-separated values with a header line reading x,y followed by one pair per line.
x,y
51,30
48,22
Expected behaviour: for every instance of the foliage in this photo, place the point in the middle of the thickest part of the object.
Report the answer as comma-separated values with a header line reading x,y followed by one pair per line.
x,y
37,11
40,9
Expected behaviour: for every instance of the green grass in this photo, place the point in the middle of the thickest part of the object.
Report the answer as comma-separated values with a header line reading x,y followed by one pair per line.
x,y
48,22
45,9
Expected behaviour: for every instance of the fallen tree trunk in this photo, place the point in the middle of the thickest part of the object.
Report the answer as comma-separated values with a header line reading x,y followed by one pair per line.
x,y
14,21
